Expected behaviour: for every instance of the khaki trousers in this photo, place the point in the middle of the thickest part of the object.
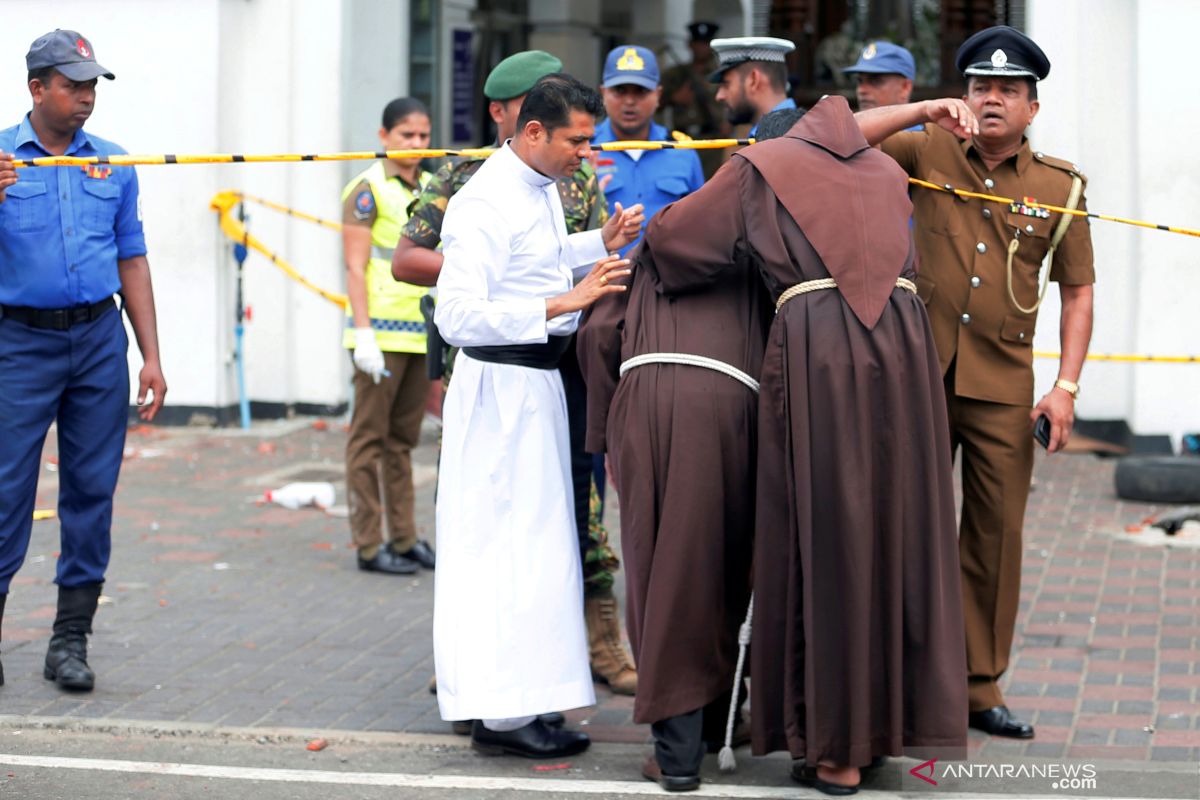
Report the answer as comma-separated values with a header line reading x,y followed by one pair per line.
x,y
383,431
996,446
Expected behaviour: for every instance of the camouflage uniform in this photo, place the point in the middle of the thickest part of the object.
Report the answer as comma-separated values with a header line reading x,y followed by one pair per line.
x,y
585,209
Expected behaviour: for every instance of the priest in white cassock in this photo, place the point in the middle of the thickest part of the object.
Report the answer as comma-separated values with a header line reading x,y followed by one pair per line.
x,y
508,627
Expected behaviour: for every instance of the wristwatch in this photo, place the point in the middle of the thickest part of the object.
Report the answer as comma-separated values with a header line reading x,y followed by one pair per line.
x,y
1070,387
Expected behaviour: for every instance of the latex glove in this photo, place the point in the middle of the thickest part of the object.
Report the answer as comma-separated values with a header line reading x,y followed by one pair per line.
x,y
367,355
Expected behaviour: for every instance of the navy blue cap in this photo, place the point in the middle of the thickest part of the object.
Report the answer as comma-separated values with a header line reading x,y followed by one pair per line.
x,y
69,53
630,64
1004,51
885,58
703,31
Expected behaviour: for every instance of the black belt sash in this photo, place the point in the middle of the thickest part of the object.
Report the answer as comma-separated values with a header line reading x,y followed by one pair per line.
x,y
536,356
57,319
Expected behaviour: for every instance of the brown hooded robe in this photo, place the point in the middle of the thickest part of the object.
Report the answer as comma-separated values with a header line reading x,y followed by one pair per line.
x,y
858,641
681,441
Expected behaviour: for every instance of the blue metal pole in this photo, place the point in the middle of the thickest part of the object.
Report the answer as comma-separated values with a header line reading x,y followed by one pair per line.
x,y
239,253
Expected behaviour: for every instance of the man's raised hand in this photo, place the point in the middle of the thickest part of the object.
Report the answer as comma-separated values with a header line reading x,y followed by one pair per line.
x,y
954,115
604,279
8,175
623,227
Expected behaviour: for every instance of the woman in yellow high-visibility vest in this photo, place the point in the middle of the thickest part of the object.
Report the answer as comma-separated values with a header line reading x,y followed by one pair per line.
x,y
386,331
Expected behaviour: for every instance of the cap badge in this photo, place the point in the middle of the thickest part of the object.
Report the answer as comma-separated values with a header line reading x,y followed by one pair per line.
x,y
82,48
869,52
999,59
630,61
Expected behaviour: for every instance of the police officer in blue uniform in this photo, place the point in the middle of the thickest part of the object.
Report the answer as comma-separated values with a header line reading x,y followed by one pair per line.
x,y
883,74
70,238
653,178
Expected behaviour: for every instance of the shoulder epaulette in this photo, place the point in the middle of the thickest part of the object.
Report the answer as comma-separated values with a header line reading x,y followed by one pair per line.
x,y
1059,163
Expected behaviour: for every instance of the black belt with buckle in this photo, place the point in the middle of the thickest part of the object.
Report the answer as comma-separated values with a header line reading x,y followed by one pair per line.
x,y
56,319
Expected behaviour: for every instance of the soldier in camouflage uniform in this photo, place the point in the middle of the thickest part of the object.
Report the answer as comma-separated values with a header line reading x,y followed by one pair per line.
x,y
584,206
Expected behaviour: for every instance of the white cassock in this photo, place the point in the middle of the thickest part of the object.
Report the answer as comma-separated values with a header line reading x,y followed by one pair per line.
x,y
508,629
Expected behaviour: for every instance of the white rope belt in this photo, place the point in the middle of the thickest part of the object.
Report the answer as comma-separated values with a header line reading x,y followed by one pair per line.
x,y
828,283
691,361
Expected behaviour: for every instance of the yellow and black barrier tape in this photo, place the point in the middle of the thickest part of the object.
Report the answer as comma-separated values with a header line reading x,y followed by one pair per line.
x,y
291,212
1061,210
223,203
130,160
1130,358
484,152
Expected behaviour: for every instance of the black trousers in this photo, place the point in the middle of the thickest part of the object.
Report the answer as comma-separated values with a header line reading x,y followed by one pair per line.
x,y
680,741
581,461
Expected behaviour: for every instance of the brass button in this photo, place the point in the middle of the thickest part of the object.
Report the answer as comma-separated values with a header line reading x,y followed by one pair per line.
x,y
975,281
981,247
966,319
987,213
989,183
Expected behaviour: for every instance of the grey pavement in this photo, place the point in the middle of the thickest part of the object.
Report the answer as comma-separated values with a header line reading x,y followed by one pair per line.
x,y
225,621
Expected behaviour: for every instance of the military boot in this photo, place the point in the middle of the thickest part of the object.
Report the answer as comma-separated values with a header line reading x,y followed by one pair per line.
x,y
3,599
66,660
610,662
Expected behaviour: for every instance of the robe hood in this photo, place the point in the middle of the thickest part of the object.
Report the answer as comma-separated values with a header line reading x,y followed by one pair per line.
x,y
850,200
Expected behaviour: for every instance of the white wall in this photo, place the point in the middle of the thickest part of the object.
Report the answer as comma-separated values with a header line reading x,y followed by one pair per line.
x,y
219,76
1112,104
280,84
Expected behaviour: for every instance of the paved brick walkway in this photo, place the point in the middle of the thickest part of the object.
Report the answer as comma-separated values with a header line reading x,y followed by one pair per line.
x,y
218,610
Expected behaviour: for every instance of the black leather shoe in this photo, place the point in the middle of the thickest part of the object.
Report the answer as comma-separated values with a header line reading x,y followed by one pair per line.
x,y
807,776
390,562
672,783
535,740
999,721
462,727
421,553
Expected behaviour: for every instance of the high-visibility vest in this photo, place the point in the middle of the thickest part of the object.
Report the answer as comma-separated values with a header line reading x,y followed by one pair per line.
x,y
393,306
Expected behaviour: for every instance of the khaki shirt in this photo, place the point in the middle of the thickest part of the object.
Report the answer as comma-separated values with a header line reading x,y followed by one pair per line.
x,y
962,247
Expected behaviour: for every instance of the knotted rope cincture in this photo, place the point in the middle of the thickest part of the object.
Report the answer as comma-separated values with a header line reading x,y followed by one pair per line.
x,y
726,761
821,284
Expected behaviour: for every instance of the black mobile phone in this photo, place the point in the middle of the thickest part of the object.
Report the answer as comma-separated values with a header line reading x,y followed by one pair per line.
x,y
1041,430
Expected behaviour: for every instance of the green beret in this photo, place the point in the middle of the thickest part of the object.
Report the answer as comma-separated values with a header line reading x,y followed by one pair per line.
x,y
516,75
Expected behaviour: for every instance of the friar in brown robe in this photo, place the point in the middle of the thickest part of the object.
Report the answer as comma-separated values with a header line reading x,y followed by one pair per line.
x,y
857,643
681,440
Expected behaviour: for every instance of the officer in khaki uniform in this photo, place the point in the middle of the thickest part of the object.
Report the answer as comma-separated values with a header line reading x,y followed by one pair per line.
x,y
386,331
982,308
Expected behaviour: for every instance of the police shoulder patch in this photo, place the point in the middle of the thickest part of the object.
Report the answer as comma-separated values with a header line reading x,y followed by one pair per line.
x,y
364,204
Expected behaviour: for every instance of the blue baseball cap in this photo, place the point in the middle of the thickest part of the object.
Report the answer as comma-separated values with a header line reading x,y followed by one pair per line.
x,y
630,64
885,58
69,53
